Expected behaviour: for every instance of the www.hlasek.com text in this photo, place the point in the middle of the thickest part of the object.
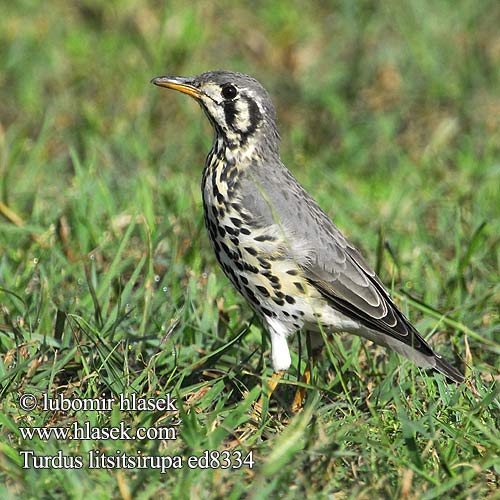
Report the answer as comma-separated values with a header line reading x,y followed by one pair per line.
x,y
85,431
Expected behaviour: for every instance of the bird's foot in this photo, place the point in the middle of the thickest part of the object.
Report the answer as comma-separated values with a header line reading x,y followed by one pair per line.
x,y
300,394
271,386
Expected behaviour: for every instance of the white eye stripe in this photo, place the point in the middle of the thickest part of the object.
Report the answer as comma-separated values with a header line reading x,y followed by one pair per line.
x,y
243,115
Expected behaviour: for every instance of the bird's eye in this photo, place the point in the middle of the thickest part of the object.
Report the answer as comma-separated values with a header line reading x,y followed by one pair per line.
x,y
229,91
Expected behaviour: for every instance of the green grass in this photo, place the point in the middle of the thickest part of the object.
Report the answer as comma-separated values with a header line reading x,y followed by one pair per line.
x,y
389,115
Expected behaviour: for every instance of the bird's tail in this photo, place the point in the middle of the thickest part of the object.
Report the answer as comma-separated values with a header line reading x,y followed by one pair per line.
x,y
448,370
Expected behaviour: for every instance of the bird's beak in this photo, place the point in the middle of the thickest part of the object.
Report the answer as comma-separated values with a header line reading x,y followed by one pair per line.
x,y
184,85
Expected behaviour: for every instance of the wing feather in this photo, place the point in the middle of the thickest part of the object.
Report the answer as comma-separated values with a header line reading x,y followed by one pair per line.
x,y
329,261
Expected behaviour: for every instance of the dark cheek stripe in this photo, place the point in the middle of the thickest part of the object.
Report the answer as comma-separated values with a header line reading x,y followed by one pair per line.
x,y
255,116
231,116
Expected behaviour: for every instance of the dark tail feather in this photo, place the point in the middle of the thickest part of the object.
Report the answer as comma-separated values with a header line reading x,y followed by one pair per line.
x,y
449,371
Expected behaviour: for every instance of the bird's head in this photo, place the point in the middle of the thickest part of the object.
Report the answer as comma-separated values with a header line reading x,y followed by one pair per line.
x,y
237,105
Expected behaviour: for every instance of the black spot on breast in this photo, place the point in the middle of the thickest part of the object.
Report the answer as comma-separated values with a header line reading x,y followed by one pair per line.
x,y
265,237
222,232
232,275
232,180
267,312
231,230
263,290
264,263
215,188
279,302
292,272
212,229
247,218
249,267
235,241
226,249
237,222
223,174
289,299
245,230
251,295
251,250
299,286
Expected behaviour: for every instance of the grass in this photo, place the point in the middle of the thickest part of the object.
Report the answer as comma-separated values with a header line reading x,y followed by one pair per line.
x,y
389,115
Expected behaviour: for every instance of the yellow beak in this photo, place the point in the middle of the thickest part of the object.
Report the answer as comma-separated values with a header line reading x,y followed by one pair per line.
x,y
179,83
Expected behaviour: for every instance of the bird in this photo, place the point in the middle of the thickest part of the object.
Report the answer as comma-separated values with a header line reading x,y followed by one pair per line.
x,y
276,245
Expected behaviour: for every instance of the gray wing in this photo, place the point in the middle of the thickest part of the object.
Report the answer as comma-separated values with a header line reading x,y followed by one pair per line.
x,y
330,262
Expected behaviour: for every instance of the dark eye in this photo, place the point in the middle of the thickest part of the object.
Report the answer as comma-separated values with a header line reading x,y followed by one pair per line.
x,y
229,91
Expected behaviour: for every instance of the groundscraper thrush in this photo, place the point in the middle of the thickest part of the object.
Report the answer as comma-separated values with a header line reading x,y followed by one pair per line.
x,y
273,241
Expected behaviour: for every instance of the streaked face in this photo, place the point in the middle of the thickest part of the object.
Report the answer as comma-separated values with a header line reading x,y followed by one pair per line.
x,y
233,107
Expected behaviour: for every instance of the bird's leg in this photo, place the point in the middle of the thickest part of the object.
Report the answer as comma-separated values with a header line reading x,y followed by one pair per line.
x,y
300,394
271,386
313,351
280,356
